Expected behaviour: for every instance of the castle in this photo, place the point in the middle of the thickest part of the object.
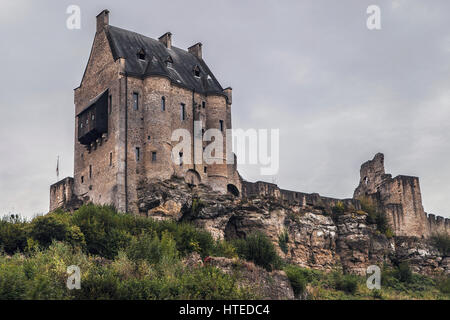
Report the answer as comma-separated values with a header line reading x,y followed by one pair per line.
x,y
136,91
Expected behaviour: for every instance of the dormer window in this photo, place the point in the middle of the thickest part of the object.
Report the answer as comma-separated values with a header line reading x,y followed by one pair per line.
x,y
141,54
169,62
197,71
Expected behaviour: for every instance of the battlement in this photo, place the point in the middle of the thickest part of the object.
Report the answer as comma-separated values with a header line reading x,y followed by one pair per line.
x,y
437,224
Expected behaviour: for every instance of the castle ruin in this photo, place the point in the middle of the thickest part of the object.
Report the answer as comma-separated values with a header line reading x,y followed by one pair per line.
x,y
136,91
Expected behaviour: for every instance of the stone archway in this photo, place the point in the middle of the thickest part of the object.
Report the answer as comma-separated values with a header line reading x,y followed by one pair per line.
x,y
231,188
192,177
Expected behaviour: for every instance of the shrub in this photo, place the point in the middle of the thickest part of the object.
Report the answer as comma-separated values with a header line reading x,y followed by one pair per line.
x,y
375,216
104,229
347,283
13,234
442,243
297,278
444,285
339,208
46,229
283,240
259,249
403,272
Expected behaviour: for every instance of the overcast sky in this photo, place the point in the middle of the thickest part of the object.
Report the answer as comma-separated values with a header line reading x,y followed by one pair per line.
x,y
338,92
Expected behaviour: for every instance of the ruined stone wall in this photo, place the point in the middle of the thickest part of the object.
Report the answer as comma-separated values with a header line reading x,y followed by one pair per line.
x,y
270,190
400,198
61,193
437,225
404,192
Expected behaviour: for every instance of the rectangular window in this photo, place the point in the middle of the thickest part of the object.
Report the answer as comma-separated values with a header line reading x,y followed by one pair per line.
x,y
90,171
82,179
110,104
181,159
153,156
138,154
136,101
149,138
163,104
221,125
204,169
183,112
110,159
203,104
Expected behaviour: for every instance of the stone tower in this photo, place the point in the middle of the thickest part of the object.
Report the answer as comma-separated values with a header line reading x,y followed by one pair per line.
x,y
135,91
400,198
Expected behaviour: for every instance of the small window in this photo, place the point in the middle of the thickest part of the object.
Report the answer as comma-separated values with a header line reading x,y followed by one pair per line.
x,y
82,179
181,158
110,159
138,154
110,104
197,71
136,101
221,125
90,171
81,125
183,112
205,169
149,138
93,117
141,54
163,104
154,156
203,104
169,62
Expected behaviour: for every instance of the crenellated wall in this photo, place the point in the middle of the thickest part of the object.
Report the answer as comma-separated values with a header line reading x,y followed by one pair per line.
x,y
437,225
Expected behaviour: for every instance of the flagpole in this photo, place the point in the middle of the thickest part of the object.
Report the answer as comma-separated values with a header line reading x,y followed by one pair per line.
x,y
57,169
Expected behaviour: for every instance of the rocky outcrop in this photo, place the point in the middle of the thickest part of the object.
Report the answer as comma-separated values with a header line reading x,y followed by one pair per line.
x,y
273,285
319,237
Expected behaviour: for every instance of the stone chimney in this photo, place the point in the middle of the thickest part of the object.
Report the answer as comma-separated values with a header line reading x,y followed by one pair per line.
x,y
196,50
229,93
166,39
102,20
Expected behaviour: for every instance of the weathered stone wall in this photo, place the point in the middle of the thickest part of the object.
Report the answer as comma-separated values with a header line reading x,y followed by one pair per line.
x,y
266,189
60,193
400,198
95,177
438,225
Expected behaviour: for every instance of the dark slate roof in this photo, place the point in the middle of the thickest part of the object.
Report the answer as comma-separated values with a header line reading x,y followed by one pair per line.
x,y
126,44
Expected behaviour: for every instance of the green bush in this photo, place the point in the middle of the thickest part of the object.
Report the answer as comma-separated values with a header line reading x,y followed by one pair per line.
x,y
258,248
13,234
444,285
403,272
297,278
105,231
345,282
45,229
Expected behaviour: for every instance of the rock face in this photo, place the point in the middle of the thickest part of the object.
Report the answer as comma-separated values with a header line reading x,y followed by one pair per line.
x,y
318,237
